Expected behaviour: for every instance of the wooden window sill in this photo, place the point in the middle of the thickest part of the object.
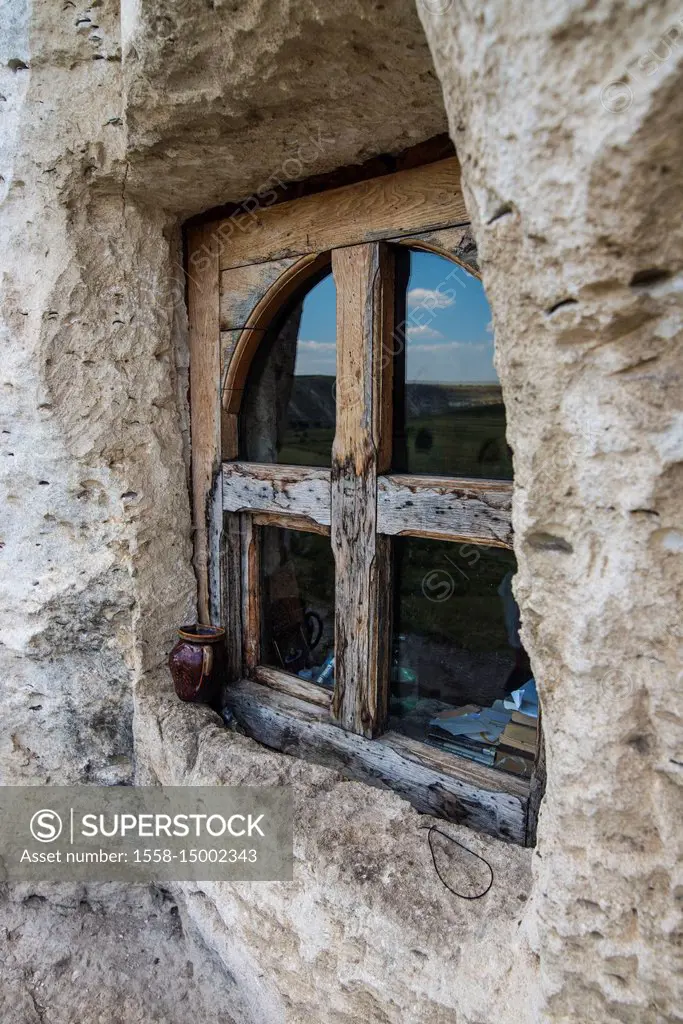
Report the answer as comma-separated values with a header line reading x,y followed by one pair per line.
x,y
434,782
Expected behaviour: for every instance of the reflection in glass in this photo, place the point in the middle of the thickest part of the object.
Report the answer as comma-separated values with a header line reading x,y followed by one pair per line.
x,y
297,603
288,410
449,417
460,678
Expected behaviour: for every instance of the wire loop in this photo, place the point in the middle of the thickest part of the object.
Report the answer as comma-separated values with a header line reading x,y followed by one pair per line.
x,y
435,828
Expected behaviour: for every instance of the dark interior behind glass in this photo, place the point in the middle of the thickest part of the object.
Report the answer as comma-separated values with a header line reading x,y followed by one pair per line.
x,y
460,678
297,603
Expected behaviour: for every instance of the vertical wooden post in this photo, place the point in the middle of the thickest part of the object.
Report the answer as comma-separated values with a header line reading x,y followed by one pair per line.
x,y
205,415
251,591
399,340
231,577
361,450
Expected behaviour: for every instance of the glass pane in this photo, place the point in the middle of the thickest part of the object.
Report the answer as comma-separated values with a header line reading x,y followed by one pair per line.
x,y
297,603
449,417
460,679
288,410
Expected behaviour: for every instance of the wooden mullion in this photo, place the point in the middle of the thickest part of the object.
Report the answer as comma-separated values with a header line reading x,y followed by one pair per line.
x,y
380,668
251,590
271,487
399,453
383,358
364,284
232,591
473,511
384,302
215,539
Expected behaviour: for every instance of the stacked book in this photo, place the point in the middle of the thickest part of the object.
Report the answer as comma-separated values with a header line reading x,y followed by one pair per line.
x,y
499,736
517,745
470,731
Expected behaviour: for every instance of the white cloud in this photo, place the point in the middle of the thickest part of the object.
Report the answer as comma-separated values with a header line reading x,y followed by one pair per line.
x,y
432,298
314,356
423,331
489,327
467,346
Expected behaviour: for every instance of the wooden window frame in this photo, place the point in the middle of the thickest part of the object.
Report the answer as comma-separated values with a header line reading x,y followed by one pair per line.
x,y
239,275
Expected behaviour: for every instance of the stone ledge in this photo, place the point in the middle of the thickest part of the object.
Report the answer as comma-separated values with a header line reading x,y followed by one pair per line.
x,y
366,902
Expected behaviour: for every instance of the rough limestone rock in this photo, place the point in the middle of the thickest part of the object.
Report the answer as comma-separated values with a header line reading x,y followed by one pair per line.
x,y
118,124
108,954
366,931
574,181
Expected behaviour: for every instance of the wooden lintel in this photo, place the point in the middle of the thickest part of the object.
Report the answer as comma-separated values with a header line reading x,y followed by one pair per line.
x,y
232,595
419,199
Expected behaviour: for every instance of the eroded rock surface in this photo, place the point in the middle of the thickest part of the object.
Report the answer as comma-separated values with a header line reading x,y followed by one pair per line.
x,y
574,181
116,125
108,954
366,931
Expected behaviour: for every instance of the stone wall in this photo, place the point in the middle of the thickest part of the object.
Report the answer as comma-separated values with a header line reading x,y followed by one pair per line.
x,y
120,124
574,184
366,932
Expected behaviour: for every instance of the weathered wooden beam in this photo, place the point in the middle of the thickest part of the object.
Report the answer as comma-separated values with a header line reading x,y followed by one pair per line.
x,y
418,200
205,405
364,284
216,568
242,288
232,595
284,521
481,798
476,511
285,682
302,491
456,243
239,344
478,775
251,593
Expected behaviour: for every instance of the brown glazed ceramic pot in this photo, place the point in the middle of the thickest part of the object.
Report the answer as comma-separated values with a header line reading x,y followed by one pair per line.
x,y
197,664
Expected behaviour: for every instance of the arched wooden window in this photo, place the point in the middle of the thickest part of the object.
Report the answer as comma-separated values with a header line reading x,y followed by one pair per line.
x,y
354,496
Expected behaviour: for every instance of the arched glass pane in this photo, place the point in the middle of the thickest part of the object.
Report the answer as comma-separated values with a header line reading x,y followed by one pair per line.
x,y
288,409
449,417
